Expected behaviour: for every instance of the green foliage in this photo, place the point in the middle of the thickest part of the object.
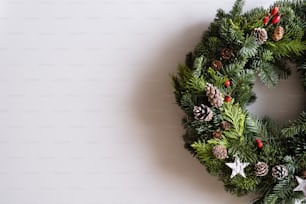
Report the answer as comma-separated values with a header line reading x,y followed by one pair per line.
x,y
280,191
236,11
230,32
196,84
256,126
216,78
198,66
249,47
242,185
286,48
242,86
296,127
233,69
245,150
203,151
266,55
236,116
267,74
186,103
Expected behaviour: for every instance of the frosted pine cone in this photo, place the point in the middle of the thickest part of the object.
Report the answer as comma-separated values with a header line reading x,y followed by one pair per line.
x,y
278,33
219,151
202,113
279,172
260,34
215,97
261,169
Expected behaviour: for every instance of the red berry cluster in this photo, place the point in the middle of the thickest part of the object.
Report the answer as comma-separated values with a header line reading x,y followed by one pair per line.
x,y
274,15
259,143
227,84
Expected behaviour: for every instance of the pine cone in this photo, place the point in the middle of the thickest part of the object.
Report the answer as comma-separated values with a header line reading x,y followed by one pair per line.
x,y
225,125
278,33
261,169
214,95
216,65
226,53
217,134
260,34
279,172
304,174
219,151
202,113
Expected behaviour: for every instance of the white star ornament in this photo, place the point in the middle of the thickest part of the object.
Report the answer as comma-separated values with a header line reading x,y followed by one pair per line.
x,y
237,167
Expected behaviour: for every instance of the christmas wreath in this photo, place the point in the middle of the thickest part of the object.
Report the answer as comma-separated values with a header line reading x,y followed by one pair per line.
x,y
214,86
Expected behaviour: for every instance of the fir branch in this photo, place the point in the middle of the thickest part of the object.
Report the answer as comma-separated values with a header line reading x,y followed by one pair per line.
x,y
234,68
231,32
242,86
296,127
246,184
216,78
266,55
245,150
293,28
286,48
186,103
266,73
203,152
236,11
249,47
255,125
213,44
198,66
280,192
253,19
235,115
196,84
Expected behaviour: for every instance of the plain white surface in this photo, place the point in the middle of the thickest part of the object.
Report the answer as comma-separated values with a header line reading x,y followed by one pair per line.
x,y
87,114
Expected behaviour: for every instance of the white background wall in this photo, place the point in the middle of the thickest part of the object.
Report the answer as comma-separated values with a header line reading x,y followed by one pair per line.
x,y
87,114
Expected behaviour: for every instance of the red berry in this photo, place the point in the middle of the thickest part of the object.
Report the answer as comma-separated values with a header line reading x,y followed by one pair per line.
x,y
275,11
266,20
260,145
227,83
227,99
276,19
258,140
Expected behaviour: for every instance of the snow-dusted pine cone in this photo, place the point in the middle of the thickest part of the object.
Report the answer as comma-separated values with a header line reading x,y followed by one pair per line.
x,y
261,169
260,34
202,113
219,151
215,97
279,171
278,33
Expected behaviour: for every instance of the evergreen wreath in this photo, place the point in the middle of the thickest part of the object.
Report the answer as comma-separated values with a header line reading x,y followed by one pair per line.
x,y
214,86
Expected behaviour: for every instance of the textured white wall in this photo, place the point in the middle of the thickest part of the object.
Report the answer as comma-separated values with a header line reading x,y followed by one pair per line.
x,y
87,114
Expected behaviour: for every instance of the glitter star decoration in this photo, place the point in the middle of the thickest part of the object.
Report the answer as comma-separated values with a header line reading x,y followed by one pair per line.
x,y
301,186
237,167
